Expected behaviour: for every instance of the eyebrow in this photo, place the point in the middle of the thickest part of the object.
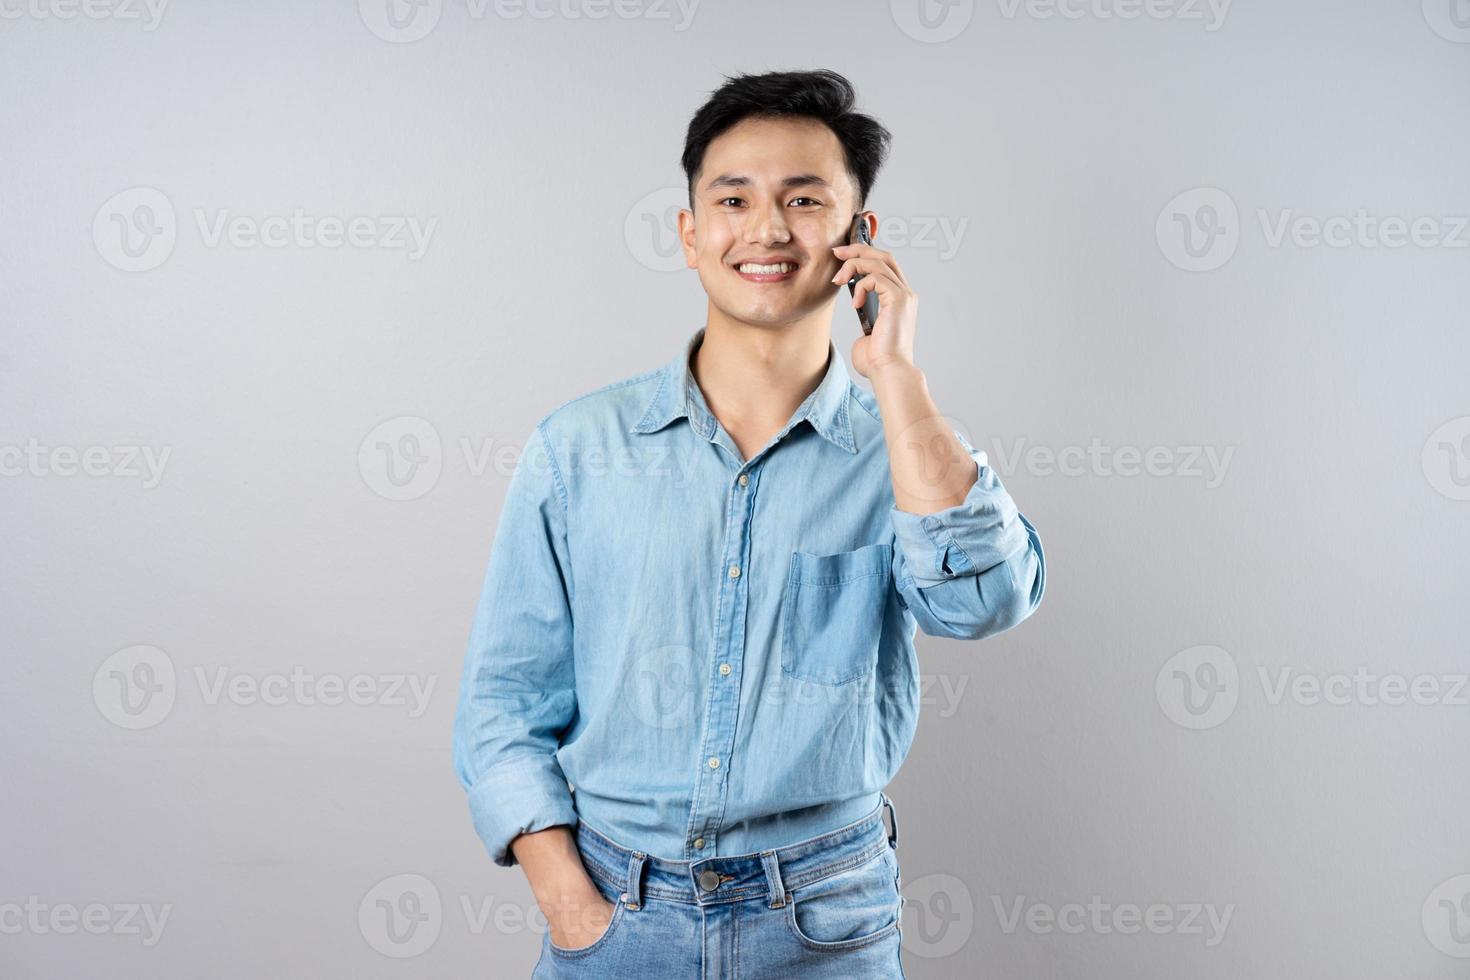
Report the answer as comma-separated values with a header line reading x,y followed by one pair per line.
x,y
796,180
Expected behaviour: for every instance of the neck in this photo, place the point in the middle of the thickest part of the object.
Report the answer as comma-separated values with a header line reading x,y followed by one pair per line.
x,y
755,375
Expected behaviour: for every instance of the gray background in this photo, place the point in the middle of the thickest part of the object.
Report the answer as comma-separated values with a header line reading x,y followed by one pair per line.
x,y
1059,762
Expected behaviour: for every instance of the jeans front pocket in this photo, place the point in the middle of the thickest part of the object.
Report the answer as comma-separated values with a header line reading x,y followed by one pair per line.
x,y
847,910
833,613
601,942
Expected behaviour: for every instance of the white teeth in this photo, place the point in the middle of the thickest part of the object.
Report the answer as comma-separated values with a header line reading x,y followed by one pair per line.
x,y
751,268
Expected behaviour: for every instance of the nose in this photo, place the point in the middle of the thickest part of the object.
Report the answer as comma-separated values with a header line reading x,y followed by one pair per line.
x,y
767,226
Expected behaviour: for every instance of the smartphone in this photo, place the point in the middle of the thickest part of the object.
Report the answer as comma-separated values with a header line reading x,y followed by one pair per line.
x,y
868,312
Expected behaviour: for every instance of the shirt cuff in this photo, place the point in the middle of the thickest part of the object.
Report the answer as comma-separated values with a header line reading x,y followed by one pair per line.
x,y
976,534
516,797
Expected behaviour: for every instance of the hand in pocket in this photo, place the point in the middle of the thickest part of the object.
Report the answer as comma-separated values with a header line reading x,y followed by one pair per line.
x,y
583,925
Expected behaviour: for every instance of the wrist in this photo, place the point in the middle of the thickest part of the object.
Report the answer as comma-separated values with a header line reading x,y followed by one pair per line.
x,y
894,371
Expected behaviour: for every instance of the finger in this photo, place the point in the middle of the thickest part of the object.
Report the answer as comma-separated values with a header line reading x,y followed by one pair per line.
x,y
890,265
865,264
886,258
873,282
867,251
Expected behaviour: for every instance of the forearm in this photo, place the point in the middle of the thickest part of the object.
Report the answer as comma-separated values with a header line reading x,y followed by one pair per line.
x,y
930,468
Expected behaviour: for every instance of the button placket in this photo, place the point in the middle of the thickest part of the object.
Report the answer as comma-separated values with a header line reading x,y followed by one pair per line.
x,y
724,690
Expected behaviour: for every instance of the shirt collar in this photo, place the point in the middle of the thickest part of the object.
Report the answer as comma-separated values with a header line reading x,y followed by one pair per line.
x,y
677,394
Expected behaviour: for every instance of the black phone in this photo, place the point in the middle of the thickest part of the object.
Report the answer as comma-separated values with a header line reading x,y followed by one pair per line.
x,y
868,312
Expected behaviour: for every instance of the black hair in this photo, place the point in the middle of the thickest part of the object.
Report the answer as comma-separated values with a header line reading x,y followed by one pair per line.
x,y
821,94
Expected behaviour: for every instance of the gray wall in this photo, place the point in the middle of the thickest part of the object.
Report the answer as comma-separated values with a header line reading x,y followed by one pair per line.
x,y
1237,728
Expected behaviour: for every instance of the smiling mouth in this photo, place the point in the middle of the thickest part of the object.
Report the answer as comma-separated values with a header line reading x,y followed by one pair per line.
x,y
766,272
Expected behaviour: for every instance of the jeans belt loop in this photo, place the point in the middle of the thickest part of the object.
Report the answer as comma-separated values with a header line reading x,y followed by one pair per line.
x,y
633,897
774,888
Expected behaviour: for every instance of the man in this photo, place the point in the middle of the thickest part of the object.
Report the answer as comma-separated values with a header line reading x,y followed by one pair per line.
x,y
706,581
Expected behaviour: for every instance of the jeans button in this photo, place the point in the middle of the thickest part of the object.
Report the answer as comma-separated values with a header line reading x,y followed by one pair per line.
x,y
708,880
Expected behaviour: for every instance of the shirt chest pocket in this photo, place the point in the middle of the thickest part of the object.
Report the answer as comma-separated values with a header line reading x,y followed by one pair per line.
x,y
832,613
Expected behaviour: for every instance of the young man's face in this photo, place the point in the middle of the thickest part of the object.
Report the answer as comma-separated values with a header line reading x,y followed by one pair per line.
x,y
770,191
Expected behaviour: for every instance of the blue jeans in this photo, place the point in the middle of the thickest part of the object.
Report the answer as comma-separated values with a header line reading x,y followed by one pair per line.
x,y
827,906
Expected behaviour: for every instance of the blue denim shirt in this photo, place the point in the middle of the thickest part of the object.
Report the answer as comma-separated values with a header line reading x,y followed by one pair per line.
x,y
704,655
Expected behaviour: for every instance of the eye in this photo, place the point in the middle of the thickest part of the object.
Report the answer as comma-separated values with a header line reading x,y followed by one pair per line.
x,y
725,200
811,199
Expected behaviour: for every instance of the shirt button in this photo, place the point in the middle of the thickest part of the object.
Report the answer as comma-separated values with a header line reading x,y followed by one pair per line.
x,y
744,480
714,763
725,669
699,843
734,571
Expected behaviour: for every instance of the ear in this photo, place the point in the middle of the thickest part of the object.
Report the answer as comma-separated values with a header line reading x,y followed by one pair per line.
x,y
871,219
686,237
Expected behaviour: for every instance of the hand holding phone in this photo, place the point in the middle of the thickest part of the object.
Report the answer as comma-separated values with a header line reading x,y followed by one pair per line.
x,y
868,312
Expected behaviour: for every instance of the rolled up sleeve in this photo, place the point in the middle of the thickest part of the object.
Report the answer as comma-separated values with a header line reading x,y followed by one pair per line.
x,y
971,570
517,695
